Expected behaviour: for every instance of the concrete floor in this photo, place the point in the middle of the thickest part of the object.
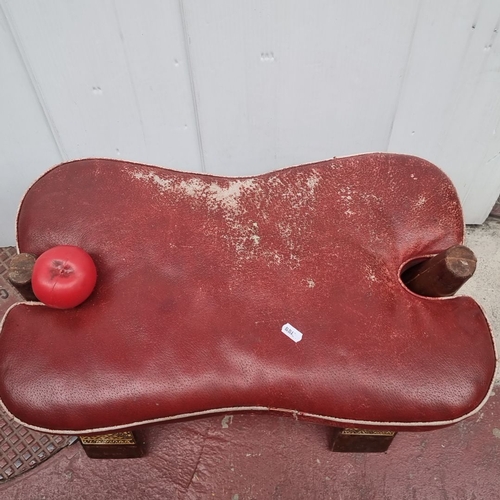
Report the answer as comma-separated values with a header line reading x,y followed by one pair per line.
x,y
484,286
244,457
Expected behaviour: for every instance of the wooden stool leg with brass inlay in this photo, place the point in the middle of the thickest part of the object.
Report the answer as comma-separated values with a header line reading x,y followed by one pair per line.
x,y
361,440
117,445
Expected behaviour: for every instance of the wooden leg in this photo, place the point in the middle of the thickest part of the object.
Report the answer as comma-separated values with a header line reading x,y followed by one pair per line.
x,y
20,272
117,445
361,440
443,274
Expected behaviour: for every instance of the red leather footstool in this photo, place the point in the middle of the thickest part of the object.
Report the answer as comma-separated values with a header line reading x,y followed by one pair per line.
x,y
276,293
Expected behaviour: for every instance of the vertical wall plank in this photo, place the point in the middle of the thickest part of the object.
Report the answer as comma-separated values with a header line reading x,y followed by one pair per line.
x,y
114,77
449,110
27,147
245,87
283,82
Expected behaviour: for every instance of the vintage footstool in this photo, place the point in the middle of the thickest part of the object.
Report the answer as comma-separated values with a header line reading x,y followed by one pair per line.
x,y
276,293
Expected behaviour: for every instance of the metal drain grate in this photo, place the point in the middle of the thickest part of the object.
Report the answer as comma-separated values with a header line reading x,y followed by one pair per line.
x,y
21,448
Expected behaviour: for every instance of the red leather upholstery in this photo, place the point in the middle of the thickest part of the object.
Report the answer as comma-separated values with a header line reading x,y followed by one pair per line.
x,y
198,274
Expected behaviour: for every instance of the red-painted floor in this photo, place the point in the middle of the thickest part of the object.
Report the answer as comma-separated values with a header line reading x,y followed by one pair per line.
x,y
265,457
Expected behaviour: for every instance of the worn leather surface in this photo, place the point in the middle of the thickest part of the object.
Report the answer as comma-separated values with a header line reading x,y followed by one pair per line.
x,y
197,274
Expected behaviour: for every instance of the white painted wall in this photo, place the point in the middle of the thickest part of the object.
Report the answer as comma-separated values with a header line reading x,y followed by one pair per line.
x,y
235,87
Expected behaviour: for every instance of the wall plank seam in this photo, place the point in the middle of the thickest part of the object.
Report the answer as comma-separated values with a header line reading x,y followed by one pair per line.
x,y
405,73
129,71
192,83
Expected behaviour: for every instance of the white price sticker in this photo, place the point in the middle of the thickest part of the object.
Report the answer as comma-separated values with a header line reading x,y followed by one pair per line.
x,y
291,332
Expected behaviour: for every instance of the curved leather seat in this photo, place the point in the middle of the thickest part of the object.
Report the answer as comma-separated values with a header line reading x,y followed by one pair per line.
x,y
198,274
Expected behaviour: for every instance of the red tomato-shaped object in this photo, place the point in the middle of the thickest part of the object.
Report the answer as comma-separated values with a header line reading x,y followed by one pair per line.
x,y
64,276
